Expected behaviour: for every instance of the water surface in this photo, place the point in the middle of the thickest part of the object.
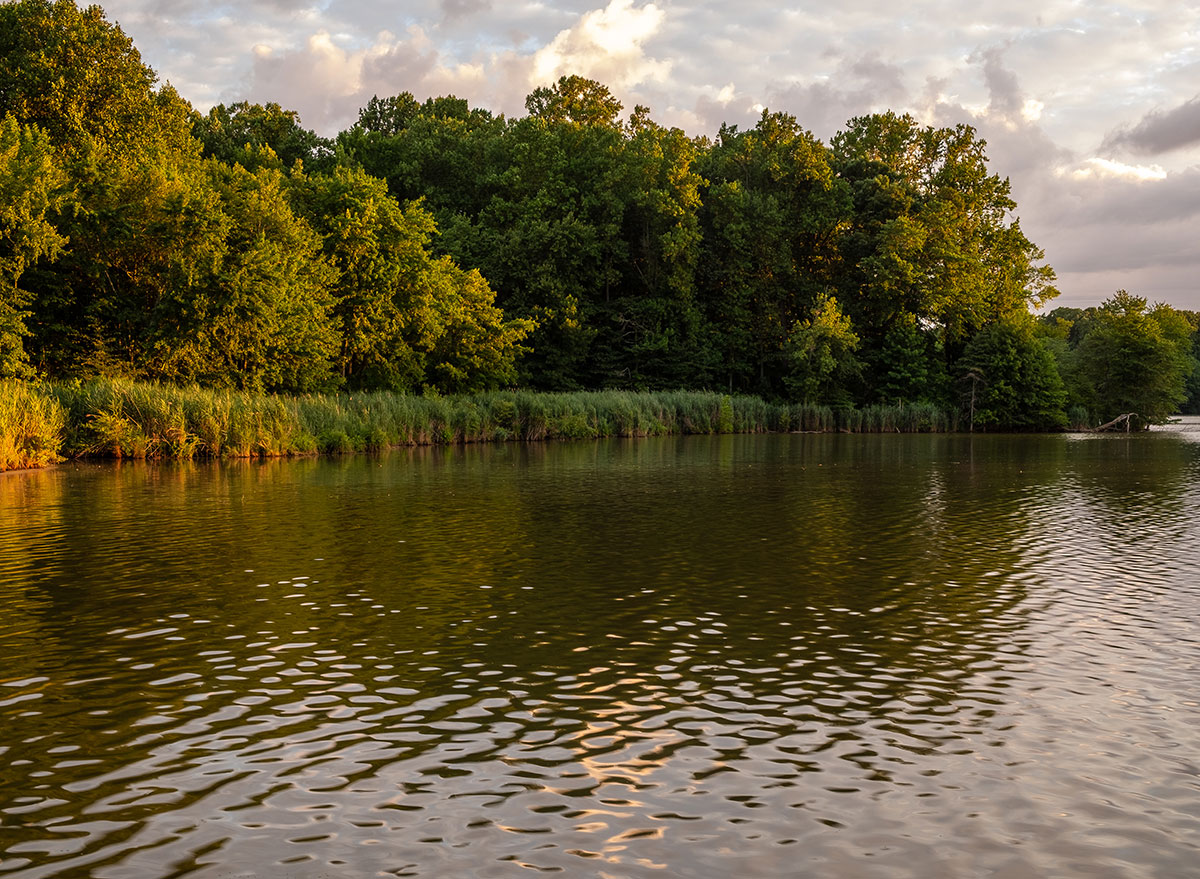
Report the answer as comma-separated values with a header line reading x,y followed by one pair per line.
x,y
769,656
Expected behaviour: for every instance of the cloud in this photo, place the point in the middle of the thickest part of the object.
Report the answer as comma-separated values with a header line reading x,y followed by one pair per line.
x,y
328,83
453,10
853,87
1004,90
606,45
1098,167
1104,224
328,78
1161,132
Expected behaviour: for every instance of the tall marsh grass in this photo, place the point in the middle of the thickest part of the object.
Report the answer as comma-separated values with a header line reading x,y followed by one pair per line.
x,y
123,419
31,426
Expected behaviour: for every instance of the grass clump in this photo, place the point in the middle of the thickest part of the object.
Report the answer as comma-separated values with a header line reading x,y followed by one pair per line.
x,y
31,425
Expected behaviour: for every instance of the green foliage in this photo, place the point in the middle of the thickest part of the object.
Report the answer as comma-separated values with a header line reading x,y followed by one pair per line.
x,y
550,243
908,364
439,249
574,99
1010,381
257,315
769,220
408,320
79,78
31,184
388,116
1136,359
821,355
930,236
147,420
123,419
253,134
650,325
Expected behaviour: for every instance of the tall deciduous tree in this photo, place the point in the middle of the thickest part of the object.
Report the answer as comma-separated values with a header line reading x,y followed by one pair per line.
x,y
770,219
79,78
651,330
821,358
931,234
407,319
31,184
1011,378
1136,359
256,313
574,99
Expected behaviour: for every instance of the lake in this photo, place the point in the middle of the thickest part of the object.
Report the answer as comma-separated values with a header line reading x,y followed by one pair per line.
x,y
753,656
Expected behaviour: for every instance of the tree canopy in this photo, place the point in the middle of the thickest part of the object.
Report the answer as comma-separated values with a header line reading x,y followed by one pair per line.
x,y
436,246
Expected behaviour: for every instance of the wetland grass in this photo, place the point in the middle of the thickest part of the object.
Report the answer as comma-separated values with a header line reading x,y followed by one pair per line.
x,y
125,419
31,426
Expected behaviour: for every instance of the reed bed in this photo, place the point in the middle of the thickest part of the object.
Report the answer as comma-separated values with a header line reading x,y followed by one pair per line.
x,y
125,419
31,425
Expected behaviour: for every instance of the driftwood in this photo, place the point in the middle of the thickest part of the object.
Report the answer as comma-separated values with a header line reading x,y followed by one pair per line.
x,y
1112,425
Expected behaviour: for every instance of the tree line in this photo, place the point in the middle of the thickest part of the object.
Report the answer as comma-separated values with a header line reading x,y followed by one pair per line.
x,y
435,246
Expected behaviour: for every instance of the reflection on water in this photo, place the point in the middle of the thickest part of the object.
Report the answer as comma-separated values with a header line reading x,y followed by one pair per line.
x,y
764,656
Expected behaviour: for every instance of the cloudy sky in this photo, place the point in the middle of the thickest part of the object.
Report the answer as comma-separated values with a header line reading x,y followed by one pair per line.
x,y
1091,108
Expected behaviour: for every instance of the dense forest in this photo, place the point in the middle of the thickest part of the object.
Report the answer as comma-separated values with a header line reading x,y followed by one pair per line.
x,y
435,247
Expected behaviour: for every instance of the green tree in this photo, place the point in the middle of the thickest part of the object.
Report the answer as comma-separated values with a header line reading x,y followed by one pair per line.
x,y
547,236
388,116
255,314
1136,359
126,149
932,236
908,365
237,133
442,151
770,221
574,99
821,357
650,327
31,187
79,78
136,228
407,319
1010,380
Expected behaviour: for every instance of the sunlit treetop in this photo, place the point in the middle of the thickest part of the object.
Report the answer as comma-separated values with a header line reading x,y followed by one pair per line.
x,y
78,76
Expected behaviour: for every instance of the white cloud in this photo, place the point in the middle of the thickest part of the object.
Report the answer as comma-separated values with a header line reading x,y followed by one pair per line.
x,y
1098,167
607,45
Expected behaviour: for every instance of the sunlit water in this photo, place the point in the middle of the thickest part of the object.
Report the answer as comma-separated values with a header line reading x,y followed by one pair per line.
x,y
830,656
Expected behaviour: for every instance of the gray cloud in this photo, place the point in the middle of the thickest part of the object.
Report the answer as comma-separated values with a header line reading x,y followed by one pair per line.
x,y
1161,132
454,10
1004,90
856,86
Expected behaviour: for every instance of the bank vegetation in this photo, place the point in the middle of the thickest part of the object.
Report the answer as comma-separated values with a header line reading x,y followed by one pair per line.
x,y
438,251
123,419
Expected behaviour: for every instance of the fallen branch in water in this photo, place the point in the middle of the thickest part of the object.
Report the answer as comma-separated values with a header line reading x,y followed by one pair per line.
x,y
1127,418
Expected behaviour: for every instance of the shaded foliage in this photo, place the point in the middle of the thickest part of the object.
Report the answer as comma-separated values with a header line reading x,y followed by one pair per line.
x,y
237,134
1010,379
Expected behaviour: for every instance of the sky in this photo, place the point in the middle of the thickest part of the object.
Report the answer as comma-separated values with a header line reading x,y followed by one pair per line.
x,y
1091,109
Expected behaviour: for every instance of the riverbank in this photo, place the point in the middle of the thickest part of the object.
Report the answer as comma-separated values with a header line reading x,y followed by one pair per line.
x,y
43,423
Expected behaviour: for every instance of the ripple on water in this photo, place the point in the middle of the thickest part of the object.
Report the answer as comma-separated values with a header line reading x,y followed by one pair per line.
x,y
957,657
